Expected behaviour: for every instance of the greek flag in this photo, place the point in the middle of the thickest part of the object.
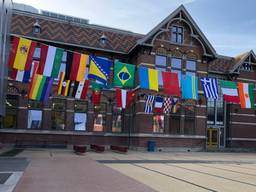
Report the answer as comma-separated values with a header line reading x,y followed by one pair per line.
x,y
210,86
149,104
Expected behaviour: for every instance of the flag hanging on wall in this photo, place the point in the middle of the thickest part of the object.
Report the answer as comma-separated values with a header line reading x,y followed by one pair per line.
x,y
175,105
20,75
159,100
130,98
148,78
50,61
121,98
167,105
63,85
171,83
96,97
229,91
149,104
80,89
123,74
78,67
210,87
189,85
40,87
99,69
246,95
21,53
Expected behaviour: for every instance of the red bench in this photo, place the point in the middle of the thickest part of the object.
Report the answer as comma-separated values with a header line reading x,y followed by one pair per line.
x,y
80,149
97,148
121,149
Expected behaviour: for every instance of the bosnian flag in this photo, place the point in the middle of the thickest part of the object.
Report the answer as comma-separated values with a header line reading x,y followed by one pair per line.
x,y
229,90
159,104
121,96
246,94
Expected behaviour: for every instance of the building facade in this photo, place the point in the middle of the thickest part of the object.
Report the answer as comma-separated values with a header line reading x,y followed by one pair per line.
x,y
176,44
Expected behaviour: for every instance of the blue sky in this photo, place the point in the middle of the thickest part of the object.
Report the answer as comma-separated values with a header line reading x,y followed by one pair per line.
x,y
230,25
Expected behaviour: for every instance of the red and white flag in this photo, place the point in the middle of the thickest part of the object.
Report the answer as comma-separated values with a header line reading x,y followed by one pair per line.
x,y
121,98
81,89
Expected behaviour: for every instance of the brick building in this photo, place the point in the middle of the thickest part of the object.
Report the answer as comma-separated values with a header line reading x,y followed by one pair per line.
x,y
176,44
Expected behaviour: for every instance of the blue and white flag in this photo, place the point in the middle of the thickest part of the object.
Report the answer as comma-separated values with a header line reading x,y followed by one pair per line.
x,y
159,100
149,104
210,86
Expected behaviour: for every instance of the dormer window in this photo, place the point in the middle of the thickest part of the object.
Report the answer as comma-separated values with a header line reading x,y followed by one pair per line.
x,y
247,65
177,34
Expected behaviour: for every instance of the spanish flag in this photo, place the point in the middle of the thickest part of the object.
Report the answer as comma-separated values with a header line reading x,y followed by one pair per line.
x,y
21,53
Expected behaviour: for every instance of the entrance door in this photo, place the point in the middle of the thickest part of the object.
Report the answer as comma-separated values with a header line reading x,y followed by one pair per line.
x,y
213,137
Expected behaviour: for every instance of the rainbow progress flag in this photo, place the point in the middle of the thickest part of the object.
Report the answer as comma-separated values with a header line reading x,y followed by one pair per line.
x,y
148,78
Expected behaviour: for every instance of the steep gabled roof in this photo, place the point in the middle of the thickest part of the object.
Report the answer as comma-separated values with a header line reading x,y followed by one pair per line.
x,y
239,60
180,9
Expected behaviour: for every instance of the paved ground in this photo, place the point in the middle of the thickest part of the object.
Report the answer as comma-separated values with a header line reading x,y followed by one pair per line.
x,y
61,170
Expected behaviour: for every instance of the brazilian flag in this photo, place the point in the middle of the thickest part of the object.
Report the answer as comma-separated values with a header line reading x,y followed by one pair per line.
x,y
123,75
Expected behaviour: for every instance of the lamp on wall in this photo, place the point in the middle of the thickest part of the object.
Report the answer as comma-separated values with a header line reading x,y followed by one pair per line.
x,y
36,27
103,39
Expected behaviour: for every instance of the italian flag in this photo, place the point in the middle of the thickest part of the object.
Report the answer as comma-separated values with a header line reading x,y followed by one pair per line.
x,y
229,90
246,94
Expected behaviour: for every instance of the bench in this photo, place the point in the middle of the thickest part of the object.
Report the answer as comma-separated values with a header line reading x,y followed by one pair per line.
x,y
97,148
121,149
80,149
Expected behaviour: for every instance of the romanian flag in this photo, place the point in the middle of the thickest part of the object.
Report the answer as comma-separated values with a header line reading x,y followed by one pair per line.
x,y
21,53
189,85
50,61
148,78
78,67
99,69
246,95
63,85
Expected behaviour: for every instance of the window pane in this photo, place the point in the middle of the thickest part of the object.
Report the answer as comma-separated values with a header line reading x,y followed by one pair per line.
x,y
191,65
176,63
160,77
160,60
37,52
34,119
9,120
180,30
80,121
99,122
174,37
58,120
220,112
80,106
117,120
180,38
158,123
58,104
210,111
174,29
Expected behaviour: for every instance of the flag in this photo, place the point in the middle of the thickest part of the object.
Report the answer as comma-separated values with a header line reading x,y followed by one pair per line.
x,y
99,69
148,78
130,98
78,67
149,104
96,97
47,90
123,75
20,75
34,72
189,85
80,89
171,83
50,61
121,98
246,95
175,105
63,85
159,100
210,87
229,91
21,53
167,105
40,87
